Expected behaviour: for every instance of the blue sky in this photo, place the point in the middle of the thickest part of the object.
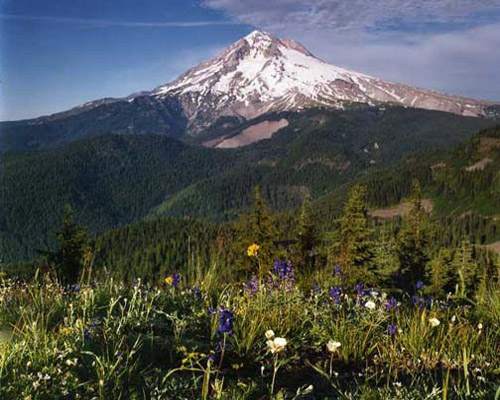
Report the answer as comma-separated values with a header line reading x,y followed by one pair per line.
x,y
56,54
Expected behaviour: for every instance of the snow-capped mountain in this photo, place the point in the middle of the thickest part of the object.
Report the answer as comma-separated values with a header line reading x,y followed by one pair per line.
x,y
261,73
257,75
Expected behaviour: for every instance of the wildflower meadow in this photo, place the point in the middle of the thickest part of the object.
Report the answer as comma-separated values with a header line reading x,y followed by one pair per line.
x,y
270,338
267,323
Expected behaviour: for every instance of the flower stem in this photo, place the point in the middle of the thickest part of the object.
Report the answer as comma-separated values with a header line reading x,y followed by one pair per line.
x,y
274,373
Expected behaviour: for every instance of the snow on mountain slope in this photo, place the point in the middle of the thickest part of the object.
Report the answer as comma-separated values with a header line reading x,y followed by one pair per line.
x,y
261,73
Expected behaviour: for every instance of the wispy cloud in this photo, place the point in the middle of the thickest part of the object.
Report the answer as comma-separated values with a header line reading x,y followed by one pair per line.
x,y
446,45
101,23
348,14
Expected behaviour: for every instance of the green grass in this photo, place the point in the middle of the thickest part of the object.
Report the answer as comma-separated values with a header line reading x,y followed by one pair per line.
x,y
108,340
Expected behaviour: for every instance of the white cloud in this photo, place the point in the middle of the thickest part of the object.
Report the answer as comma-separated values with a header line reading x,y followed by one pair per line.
x,y
345,14
447,45
103,23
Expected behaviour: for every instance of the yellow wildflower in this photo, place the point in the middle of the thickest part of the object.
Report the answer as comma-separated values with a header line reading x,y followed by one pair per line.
x,y
169,280
65,330
253,250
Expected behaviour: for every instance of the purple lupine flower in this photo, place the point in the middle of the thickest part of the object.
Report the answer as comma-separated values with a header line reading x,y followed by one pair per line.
x,y
271,283
316,288
197,292
359,288
419,301
211,311
392,329
176,279
283,269
338,271
419,285
392,304
226,319
252,285
335,293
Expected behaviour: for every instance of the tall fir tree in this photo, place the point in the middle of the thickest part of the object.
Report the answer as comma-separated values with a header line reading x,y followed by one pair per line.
x,y
354,249
73,251
439,273
259,228
465,265
307,235
413,242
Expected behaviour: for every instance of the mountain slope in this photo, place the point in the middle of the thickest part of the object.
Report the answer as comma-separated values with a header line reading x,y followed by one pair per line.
x,y
257,75
318,151
261,73
110,180
137,115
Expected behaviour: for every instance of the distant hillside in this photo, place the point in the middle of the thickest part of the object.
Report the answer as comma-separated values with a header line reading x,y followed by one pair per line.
x,y
319,151
462,183
113,180
109,180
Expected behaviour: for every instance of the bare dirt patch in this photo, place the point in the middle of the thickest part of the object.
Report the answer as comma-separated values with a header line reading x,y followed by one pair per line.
x,y
480,165
252,134
488,143
400,210
495,247
213,142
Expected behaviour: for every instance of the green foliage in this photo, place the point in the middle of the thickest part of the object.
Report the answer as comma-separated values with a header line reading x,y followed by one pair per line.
x,y
354,247
113,180
110,181
439,273
307,235
258,228
466,268
73,251
412,242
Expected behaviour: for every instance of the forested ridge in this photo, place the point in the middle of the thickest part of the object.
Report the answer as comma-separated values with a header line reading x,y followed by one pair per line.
x,y
113,180
140,304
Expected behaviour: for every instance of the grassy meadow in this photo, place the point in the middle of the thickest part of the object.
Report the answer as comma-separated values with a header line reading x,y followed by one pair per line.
x,y
277,337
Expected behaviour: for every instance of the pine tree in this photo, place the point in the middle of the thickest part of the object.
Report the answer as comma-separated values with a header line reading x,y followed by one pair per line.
x,y
307,235
439,272
413,242
354,249
258,227
69,259
465,267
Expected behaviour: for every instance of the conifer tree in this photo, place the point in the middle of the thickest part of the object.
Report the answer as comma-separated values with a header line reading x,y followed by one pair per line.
x,y
439,272
354,250
413,242
69,259
307,235
258,228
465,267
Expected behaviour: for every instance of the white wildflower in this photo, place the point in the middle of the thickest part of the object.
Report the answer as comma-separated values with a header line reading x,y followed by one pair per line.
x,y
370,305
332,345
270,334
277,345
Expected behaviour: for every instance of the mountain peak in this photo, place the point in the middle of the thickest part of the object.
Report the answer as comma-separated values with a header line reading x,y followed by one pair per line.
x,y
258,35
261,73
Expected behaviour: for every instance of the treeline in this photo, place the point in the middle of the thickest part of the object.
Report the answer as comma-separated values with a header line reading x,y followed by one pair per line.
x,y
413,254
110,181
115,180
